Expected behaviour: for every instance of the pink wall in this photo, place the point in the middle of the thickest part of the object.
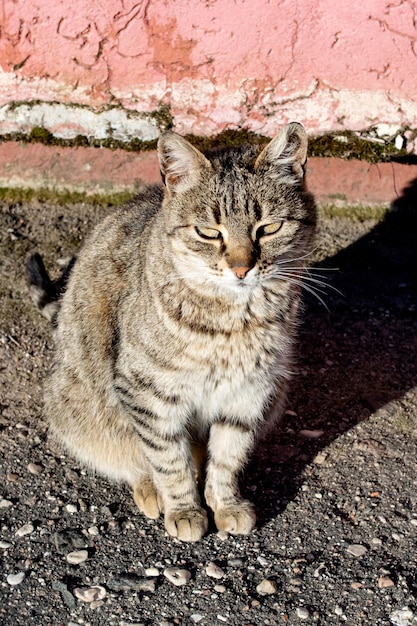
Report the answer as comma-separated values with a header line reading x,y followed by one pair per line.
x,y
218,63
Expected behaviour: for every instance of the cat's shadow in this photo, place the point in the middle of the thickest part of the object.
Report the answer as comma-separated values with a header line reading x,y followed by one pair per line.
x,y
354,358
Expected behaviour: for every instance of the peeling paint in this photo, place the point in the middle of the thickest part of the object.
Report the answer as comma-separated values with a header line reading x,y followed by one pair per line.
x,y
97,69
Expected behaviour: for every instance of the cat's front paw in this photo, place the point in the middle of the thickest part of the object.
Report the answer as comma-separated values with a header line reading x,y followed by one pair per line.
x,y
237,519
188,525
148,499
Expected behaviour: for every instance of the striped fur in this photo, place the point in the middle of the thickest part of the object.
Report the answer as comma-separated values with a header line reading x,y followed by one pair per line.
x,y
175,335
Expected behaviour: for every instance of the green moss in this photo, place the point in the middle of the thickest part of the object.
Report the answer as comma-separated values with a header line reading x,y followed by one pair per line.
x,y
41,135
43,195
357,212
163,117
227,138
348,145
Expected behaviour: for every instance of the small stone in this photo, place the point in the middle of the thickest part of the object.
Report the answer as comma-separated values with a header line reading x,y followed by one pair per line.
x,y
67,539
11,477
90,594
15,579
177,576
311,434
338,610
355,549
234,562
402,617
5,504
262,561
384,582
196,617
413,521
77,556
356,585
219,588
221,618
35,468
214,571
93,530
130,582
302,613
267,587
71,508
5,545
26,529
399,142
151,572
376,541
320,458
67,597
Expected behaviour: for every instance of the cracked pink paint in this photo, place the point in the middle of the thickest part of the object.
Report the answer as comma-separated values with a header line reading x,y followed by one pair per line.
x,y
218,63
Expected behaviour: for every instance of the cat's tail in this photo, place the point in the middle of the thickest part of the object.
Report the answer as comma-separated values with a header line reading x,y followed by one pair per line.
x,y
44,292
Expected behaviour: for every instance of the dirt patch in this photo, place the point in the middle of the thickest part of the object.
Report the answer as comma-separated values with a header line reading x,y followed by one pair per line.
x,y
335,486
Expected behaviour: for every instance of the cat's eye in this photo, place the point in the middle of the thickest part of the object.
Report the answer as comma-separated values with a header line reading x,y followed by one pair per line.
x,y
208,233
268,229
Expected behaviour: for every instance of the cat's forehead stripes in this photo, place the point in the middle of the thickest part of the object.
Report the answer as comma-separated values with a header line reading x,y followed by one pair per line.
x,y
236,196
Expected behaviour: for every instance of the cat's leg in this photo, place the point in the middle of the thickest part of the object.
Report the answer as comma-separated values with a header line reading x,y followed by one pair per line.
x,y
174,476
147,498
229,447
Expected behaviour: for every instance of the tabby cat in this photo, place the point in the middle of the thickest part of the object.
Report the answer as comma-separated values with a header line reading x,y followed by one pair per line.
x,y
175,330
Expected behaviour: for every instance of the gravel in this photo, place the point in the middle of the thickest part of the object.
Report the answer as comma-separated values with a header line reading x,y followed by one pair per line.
x,y
337,476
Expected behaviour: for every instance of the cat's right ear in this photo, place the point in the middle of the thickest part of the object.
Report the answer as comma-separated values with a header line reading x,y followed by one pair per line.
x,y
285,157
181,164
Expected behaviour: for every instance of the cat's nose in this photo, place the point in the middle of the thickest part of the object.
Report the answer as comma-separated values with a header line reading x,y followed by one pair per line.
x,y
241,271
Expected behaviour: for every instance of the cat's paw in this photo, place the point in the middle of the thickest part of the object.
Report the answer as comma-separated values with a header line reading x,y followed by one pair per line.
x,y
237,519
148,499
188,525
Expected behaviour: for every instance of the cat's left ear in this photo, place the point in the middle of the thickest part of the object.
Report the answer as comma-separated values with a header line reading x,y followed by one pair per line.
x,y
286,155
180,162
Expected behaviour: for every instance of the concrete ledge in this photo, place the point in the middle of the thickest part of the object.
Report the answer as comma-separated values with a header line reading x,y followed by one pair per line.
x,y
103,171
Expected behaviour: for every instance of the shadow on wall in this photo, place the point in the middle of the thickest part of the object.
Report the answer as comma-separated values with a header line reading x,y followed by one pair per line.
x,y
355,357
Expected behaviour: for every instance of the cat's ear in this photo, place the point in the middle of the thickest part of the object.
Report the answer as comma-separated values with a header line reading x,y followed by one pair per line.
x,y
286,155
181,164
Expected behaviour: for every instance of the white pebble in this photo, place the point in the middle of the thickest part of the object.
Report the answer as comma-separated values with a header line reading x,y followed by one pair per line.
x,y
5,544
402,617
196,617
399,142
15,579
355,549
151,572
90,594
93,530
5,504
219,588
177,576
26,529
413,521
267,587
214,571
262,561
71,508
302,613
77,556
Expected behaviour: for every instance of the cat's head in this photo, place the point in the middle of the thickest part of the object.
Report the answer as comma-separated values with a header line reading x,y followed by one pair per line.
x,y
237,218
